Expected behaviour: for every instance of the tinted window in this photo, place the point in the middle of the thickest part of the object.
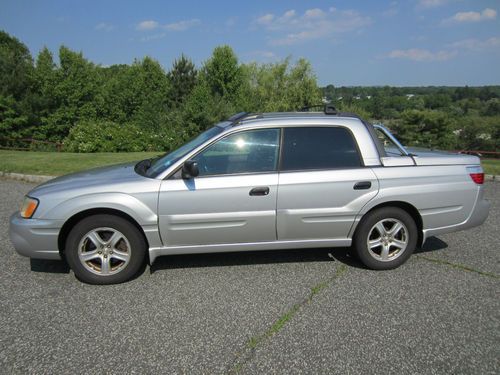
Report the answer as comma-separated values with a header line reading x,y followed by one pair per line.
x,y
319,148
244,152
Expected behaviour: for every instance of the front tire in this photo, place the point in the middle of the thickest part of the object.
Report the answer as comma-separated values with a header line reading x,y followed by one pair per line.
x,y
105,249
385,238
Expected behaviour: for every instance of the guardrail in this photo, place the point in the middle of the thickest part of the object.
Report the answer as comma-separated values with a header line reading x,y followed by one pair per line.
x,y
30,144
480,153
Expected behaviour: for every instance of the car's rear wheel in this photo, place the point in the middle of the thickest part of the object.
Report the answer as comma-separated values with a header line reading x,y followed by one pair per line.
x,y
105,249
385,238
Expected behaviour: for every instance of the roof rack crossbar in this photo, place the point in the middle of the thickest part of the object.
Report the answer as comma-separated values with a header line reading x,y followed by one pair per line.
x,y
238,116
328,109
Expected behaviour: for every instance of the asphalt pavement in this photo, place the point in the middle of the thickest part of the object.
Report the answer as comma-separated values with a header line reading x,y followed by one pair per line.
x,y
285,312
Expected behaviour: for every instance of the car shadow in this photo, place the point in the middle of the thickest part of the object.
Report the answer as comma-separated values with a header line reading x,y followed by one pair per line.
x,y
340,254
254,258
49,266
432,244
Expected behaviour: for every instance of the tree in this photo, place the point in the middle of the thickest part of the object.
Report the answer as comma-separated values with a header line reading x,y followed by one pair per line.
x,y
223,75
182,78
16,67
75,89
432,129
281,87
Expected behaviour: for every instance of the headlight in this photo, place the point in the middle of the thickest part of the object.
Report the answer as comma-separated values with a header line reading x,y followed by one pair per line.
x,y
29,207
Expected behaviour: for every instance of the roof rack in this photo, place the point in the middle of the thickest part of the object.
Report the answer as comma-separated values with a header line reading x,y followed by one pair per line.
x,y
328,109
238,116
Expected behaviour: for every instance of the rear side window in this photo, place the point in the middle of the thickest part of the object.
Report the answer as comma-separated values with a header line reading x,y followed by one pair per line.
x,y
319,148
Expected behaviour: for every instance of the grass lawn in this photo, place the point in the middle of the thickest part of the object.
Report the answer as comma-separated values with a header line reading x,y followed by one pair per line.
x,y
58,163
491,166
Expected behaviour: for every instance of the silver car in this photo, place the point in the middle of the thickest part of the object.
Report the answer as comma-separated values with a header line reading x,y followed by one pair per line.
x,y
255,182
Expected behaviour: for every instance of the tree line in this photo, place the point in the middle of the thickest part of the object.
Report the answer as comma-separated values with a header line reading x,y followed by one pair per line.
x,y
457,118
137,107
141,107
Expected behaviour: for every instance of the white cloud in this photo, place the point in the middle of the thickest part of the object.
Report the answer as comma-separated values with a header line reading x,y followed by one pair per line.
x,y
425,4
182,25
262,56
463,17
148,38
147,25
103,26
174,26
266,19
477,44
416,54
292,28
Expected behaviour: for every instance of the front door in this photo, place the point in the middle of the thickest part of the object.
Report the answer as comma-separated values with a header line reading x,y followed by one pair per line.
x,y
233,200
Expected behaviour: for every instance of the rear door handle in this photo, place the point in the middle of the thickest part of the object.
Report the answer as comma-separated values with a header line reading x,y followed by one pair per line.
x,y
260,190
362,185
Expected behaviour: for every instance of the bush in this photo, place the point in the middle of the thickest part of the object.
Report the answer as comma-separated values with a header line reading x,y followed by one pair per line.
x,y
107,136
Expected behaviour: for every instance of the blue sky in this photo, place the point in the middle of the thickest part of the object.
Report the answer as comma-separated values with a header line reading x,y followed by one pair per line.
x,y
413,42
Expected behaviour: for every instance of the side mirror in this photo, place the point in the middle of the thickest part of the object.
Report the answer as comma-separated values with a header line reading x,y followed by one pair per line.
x,y
190,169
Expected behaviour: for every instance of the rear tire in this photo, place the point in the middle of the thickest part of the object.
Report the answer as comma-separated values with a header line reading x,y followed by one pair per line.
x,y
105,249
385,238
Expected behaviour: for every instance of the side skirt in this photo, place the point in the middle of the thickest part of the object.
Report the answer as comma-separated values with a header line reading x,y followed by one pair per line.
x,y
155,252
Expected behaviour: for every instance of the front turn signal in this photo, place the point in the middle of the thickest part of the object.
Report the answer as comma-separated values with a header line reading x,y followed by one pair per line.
x,y
29,207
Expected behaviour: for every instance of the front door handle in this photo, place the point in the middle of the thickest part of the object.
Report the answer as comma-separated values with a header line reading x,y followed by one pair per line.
x,y
261,190
362,185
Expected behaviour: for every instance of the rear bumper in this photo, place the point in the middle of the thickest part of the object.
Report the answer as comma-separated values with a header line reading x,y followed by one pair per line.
x,y
35,238
477,217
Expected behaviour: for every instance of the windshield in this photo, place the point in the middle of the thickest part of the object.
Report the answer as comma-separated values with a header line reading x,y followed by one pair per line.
x,y
159,165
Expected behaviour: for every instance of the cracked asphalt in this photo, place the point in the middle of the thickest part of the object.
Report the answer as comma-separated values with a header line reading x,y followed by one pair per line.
x,y
311,311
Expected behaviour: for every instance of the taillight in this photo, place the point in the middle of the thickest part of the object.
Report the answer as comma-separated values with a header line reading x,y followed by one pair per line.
x,y
477,174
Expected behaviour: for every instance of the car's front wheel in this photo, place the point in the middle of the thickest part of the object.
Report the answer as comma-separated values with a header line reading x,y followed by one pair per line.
x,y
105,249
385,238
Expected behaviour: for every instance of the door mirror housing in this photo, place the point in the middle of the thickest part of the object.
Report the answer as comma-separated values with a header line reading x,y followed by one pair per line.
x,y
190,169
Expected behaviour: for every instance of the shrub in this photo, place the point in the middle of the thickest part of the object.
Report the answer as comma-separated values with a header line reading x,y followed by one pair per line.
x,y
107,136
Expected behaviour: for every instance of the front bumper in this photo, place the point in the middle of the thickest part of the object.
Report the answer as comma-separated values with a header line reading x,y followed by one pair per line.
x,y
35,238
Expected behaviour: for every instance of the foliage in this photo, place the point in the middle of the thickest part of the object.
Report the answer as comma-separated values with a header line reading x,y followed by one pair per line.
x,y
143,107
281,87
182,78
107,136
460,118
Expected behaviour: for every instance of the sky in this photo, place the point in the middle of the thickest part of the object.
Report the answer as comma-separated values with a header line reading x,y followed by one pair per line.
x,y
349,43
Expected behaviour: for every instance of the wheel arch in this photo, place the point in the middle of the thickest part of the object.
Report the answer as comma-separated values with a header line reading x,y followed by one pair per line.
x,y
405,206
73,220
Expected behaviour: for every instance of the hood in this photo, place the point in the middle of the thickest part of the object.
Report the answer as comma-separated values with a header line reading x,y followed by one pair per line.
x,y
104,176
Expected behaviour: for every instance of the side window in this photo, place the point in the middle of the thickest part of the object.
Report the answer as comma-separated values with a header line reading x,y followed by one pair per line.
x,y
244,152
319,148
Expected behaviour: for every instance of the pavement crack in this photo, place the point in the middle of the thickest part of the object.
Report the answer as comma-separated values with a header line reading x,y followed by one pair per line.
x,y
458,266
254,342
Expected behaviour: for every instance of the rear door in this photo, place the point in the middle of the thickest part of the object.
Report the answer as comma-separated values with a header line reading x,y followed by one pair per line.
x,y
322,183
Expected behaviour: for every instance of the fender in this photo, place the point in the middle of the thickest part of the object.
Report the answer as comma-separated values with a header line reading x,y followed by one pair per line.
x,y
126,203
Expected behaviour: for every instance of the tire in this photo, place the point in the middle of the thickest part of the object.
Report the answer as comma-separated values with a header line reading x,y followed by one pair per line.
x,y
105,249
392,234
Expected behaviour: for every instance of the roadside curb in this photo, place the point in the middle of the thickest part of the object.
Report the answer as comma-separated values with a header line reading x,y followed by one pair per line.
x,y
39,179
26,177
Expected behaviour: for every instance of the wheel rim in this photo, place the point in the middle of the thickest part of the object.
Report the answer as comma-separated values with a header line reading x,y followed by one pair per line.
x,y
387,239
104,251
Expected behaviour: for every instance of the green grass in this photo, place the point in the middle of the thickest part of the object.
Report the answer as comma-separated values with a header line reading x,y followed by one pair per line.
x,y
491,166
59,163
